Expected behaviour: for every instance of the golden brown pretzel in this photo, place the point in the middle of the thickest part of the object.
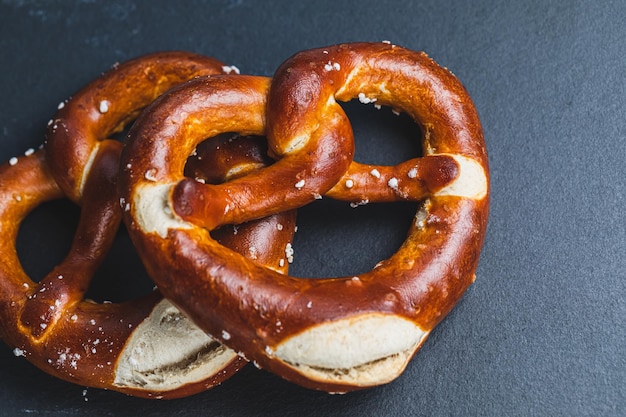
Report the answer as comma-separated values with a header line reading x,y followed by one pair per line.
x,y
335,334
53,328
144,347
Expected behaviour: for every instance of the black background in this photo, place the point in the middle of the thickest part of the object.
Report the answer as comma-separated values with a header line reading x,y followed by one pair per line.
x,y
541,332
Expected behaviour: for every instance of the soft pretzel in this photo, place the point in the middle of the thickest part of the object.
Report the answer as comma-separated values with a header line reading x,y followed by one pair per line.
x,y
145,347
334,334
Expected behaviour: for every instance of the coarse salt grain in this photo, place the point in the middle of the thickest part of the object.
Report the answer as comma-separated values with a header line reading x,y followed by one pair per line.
x,y
349,183
104,106
375,173
299,184
329,66
364,99
227,69
412,173
253,252
359,203
13,161
289,252
150,174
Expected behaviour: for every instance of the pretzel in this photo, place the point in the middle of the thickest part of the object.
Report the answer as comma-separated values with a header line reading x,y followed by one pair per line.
x,y
145,347
334,334
101,345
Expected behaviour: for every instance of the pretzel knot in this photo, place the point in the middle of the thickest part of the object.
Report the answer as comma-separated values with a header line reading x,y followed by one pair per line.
x,y
334,334
145,347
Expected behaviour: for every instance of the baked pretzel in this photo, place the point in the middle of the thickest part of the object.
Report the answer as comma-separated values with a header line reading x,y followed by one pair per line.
x,y
333,334
145,347
101,345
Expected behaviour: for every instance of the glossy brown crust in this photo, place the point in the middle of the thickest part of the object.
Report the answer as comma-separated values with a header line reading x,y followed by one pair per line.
x,y
260,309
107,104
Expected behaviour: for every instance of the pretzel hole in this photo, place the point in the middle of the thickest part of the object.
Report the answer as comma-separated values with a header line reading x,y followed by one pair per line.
x,y
226,156
45,238
120,133
121,276
334,239
381,136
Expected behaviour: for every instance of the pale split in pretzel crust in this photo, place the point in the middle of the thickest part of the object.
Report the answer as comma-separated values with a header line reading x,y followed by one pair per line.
x,y
472,181
152,209
368,349
167,351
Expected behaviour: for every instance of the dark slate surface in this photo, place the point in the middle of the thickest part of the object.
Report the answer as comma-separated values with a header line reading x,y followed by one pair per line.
x,y
541,332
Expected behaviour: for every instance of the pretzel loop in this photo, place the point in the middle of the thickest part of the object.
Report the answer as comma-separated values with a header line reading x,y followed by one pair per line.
x,y
335,334
96,229
107,105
